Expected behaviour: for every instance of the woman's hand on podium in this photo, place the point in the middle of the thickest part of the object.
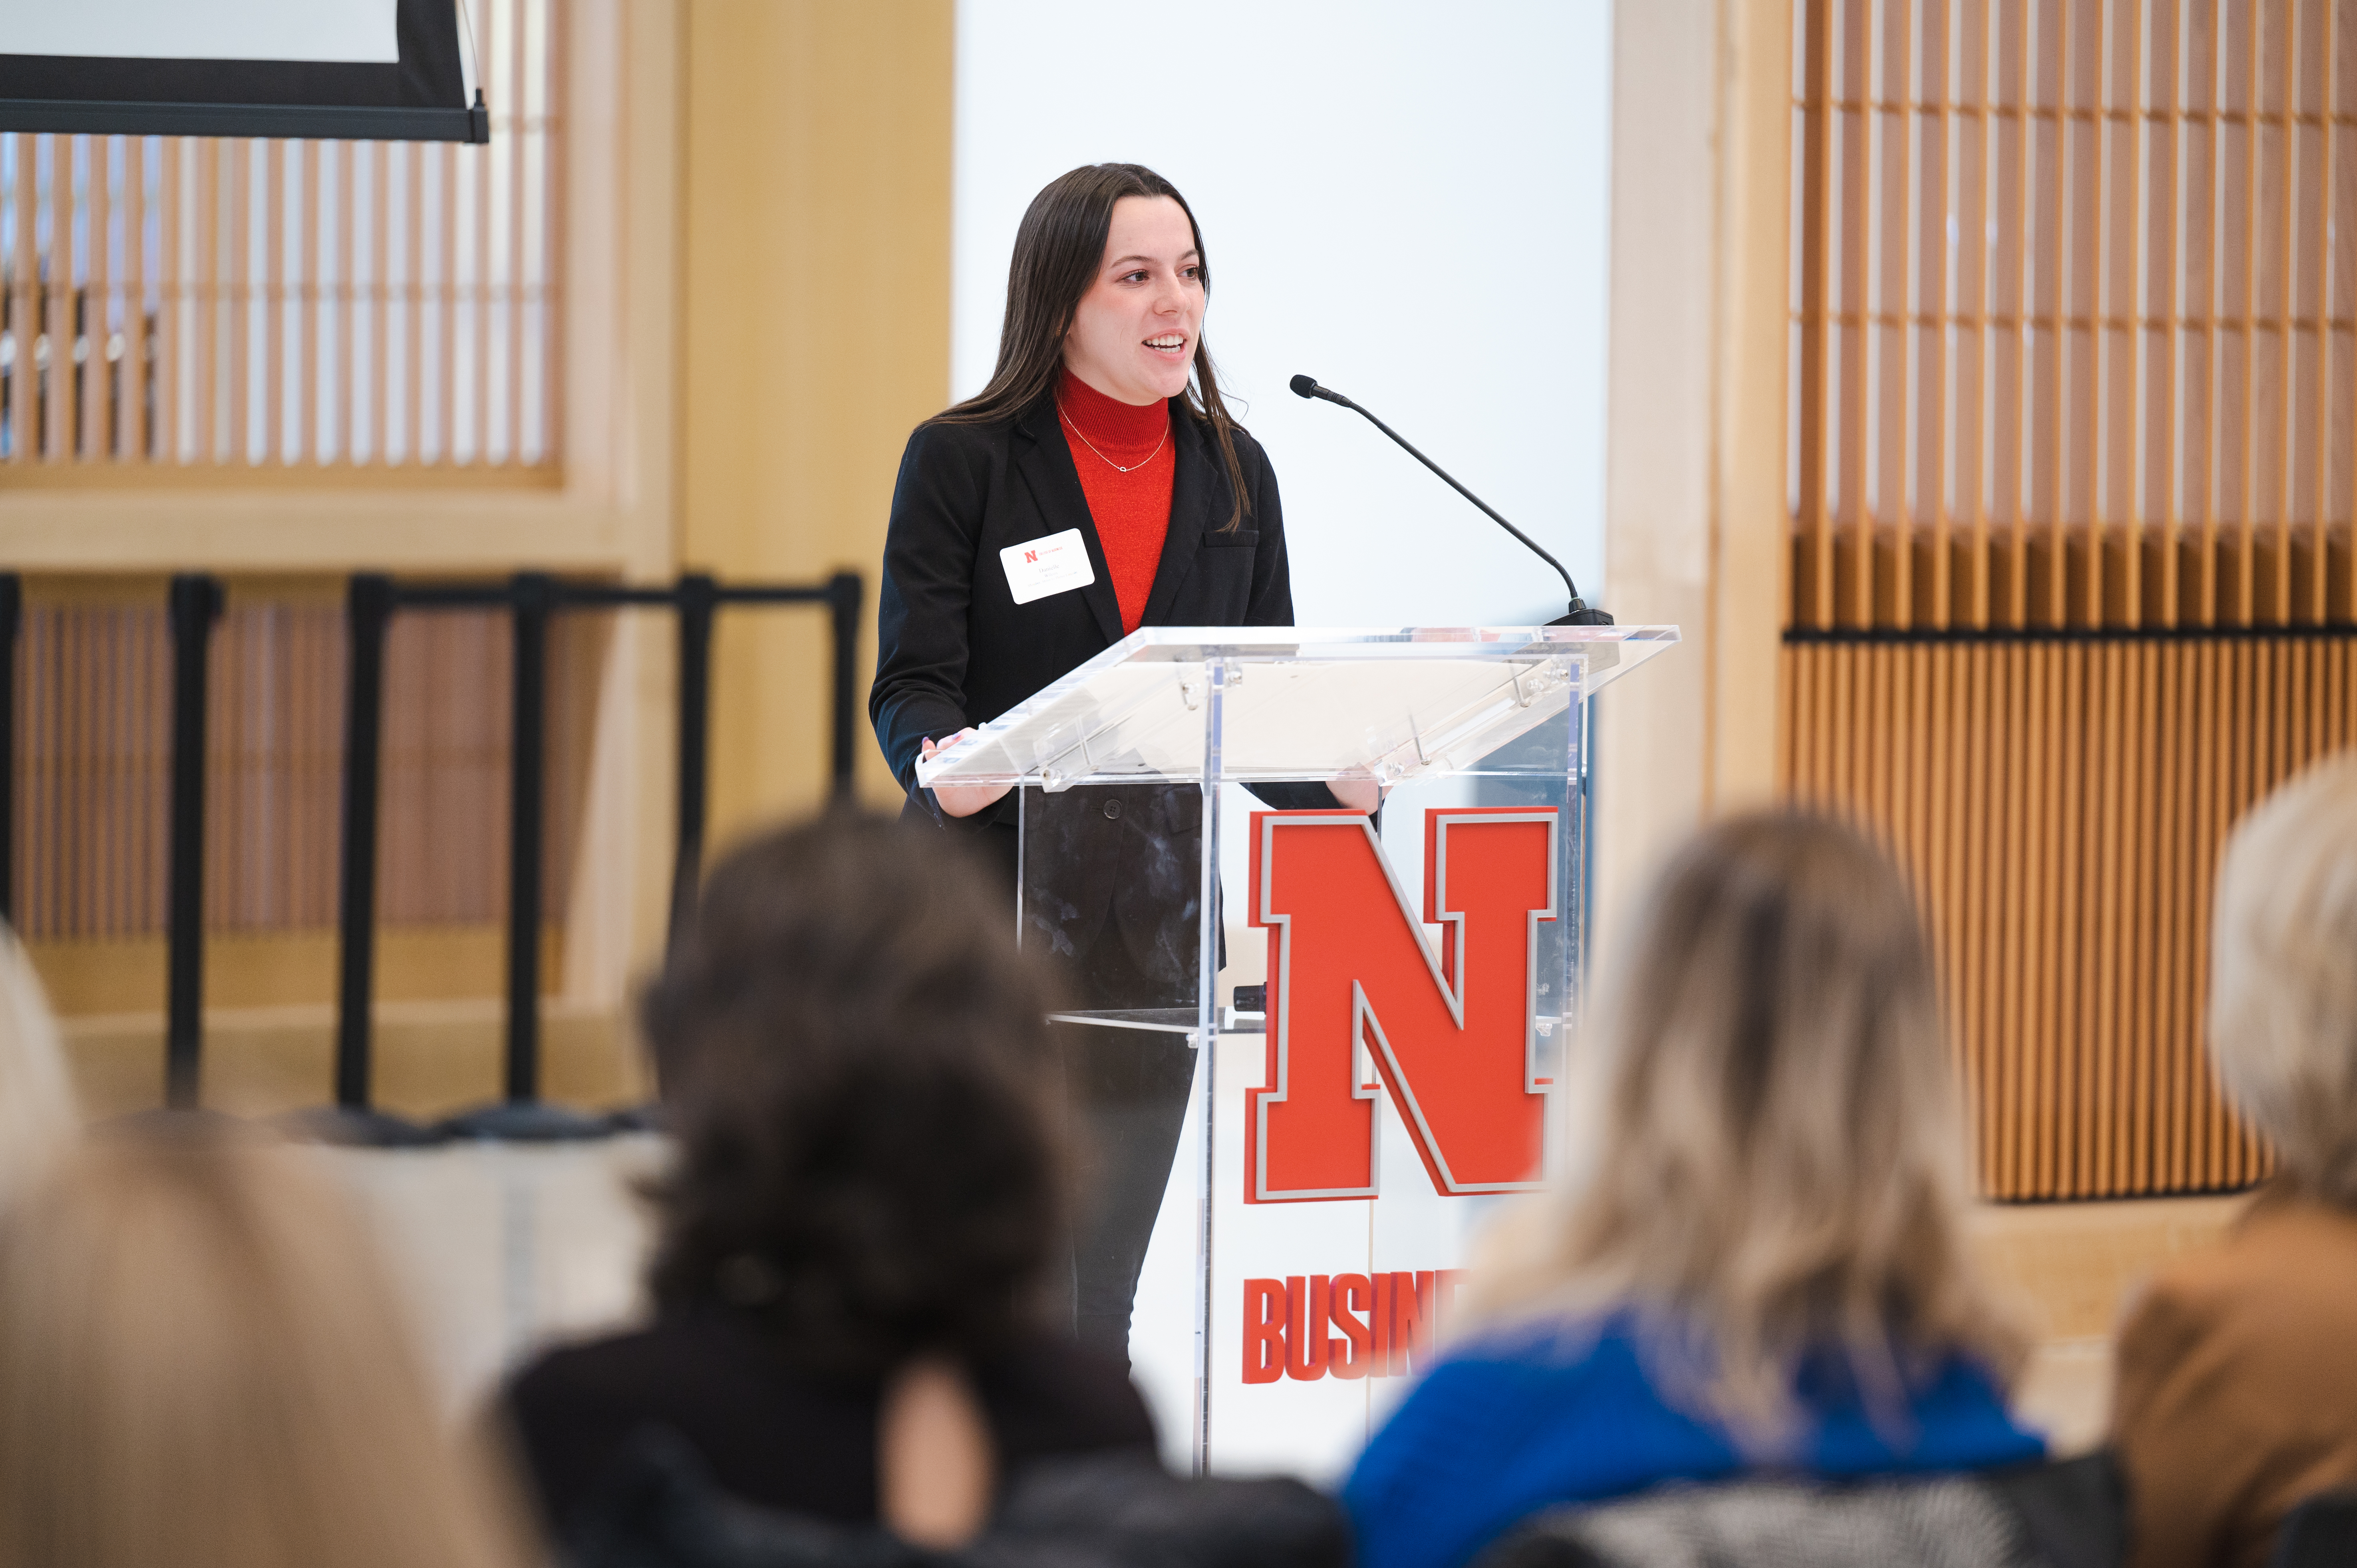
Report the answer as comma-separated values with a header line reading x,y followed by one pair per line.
x,y
962,799
1357,794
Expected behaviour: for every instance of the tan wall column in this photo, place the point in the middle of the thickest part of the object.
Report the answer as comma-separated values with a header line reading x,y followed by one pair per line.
x,y
816,304
1695,502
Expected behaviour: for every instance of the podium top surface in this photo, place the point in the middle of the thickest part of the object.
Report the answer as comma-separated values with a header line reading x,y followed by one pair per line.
x,y
1296,702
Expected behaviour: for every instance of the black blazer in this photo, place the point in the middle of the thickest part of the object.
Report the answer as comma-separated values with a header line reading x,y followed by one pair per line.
x,y
954,649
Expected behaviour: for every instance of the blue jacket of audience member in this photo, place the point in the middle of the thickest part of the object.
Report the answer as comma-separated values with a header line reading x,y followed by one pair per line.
x,y
1501,1430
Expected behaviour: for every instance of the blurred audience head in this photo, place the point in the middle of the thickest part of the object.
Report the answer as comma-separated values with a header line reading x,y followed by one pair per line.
x,y
855,1062
38,1120
205,1368
2283,976
1773,1165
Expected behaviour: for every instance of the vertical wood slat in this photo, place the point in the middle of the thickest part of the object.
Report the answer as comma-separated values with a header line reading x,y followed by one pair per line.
x,y
134,444
93,443
2205,245
307,391
21,273
2279,610
1888,523
2245,555
2164,292
2018,411
2121,548
379,297
347,305
2053,540
171,337
54,353
2319,202
516,281
2090,537
1856,601
556,21
233,285
1814,576
274,311
203,380
447,309
2341,540
1974,262
413,303
1933,603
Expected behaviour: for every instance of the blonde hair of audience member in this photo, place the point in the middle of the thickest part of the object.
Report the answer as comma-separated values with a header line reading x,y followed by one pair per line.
x,y
1775,1162
204,1368
2283,987
39,1120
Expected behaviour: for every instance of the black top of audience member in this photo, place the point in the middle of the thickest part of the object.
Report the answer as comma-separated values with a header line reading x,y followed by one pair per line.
x,y
856,1068
769,1434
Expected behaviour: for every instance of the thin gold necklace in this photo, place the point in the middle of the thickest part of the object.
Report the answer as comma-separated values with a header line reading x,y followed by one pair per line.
x,y
1107,461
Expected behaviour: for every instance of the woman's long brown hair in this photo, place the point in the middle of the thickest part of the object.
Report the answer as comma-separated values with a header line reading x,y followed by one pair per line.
x,y
1057,250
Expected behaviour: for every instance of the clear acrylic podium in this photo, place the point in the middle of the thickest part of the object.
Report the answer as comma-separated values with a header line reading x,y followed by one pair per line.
x,y
1384,1003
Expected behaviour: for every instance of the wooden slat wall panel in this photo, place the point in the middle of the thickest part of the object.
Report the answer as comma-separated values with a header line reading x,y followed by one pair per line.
x,y
2059,805
95,701
2076,346
197,302
2075,430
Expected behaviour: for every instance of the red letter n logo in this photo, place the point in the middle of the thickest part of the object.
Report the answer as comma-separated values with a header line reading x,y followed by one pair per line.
x,y
1359,1004
1030,557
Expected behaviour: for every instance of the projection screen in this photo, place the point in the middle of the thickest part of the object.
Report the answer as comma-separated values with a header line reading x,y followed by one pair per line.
x,y
371,70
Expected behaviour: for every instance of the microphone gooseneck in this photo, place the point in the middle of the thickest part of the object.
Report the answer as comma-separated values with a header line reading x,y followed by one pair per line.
x,y
1581,612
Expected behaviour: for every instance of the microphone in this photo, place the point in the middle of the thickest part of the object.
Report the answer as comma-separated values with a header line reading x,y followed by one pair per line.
x,y
1581,613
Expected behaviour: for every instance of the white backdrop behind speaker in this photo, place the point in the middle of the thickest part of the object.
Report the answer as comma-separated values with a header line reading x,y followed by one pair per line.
x,y
1409,202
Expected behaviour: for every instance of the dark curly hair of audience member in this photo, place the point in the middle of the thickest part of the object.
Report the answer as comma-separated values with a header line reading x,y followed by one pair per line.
x,y
855,1062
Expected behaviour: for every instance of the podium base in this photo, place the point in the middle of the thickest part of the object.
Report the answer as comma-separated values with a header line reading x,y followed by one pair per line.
x,y
526,1121
353,1127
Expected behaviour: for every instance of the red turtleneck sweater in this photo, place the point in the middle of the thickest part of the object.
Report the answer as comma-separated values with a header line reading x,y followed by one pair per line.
x,y
1132,511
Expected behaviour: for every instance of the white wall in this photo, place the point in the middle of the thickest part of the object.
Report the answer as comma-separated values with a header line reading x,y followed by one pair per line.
x,y
1408,201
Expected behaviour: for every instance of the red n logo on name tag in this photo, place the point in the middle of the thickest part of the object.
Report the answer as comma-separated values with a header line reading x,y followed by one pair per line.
x,y
1354,989
1030,557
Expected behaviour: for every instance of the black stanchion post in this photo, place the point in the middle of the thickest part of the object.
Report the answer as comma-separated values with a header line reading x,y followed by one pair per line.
x,y
367,616
527,778
367,609
842,598
12,616
697,599
194,603
534,596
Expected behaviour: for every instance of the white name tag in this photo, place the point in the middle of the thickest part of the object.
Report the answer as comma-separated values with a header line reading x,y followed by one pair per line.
x,y
1039,567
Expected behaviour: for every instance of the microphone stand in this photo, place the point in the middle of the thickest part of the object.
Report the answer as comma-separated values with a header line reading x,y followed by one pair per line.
x,y
1581,613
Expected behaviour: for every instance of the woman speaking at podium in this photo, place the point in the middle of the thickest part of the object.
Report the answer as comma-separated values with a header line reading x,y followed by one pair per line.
x,y
1103,436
